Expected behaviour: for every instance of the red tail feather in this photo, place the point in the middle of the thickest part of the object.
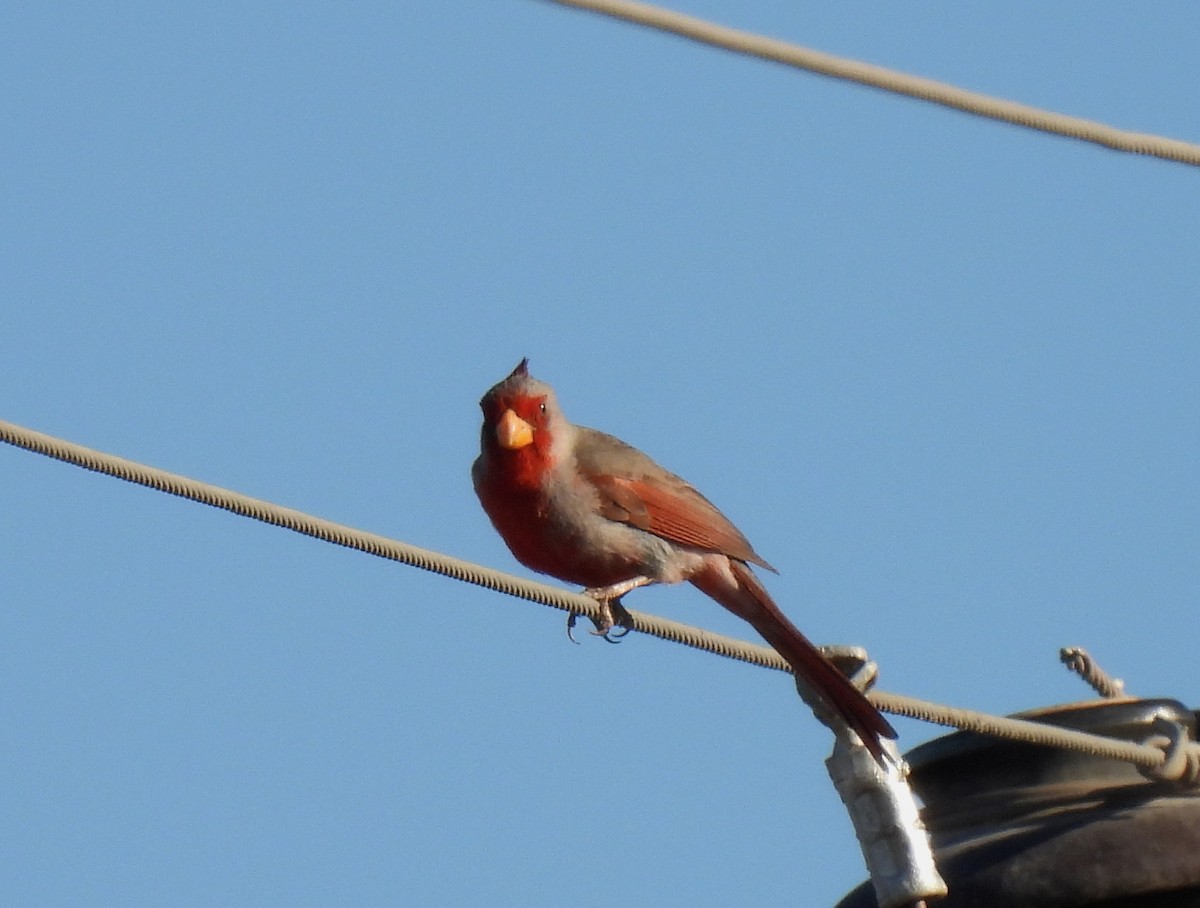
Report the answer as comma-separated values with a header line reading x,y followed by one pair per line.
x,y
750,601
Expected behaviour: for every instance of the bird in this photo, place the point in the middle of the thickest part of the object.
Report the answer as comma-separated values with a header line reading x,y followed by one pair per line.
x,y
585,507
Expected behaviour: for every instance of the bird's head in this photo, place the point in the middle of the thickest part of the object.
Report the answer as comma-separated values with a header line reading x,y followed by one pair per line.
x,y
522,421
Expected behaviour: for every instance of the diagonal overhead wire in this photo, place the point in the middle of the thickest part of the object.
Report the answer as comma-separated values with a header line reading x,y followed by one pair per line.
x,y
374,544
1168,762
890,80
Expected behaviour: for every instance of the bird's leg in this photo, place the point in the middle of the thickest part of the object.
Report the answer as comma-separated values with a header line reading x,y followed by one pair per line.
x,y
612,612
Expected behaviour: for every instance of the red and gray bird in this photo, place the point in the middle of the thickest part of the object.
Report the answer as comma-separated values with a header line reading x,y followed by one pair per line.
x,y
587,508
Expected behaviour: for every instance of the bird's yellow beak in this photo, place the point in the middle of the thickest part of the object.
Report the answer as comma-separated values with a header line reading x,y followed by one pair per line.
x,y
513,432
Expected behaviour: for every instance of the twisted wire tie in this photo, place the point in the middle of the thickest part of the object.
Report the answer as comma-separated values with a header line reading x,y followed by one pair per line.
x,y
1078,660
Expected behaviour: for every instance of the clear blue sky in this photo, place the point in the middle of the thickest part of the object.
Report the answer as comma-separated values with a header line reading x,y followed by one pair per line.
x,y
942,372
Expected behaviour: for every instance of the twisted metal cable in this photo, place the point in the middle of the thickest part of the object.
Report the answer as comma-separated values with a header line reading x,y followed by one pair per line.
x,y
890,80
1080,661
1146,756
373,544
1153,756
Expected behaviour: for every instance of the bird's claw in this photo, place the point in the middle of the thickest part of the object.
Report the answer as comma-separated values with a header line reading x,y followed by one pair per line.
x,y
612,615
613,637
572,617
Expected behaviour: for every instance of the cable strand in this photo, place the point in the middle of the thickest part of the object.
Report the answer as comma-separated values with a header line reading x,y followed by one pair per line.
x,y
1147,756
1080,661
889,80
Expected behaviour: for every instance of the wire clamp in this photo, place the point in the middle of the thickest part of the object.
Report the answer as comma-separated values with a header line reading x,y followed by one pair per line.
x,y
1181,763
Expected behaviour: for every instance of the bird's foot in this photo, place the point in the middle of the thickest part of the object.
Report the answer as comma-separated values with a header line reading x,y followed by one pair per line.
x,y
612,615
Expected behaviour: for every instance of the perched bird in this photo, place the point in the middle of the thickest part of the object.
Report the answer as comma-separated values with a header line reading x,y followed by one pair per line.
x,y
587,508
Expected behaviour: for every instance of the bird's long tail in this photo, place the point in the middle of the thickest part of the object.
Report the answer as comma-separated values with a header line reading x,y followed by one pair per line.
x,y
747,598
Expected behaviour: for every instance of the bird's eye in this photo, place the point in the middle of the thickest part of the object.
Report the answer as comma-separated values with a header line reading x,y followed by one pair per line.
x,y
542,407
